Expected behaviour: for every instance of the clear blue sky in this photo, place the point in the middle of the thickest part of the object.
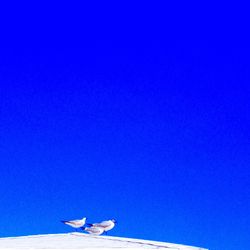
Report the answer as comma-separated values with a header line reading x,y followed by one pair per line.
x,y
128,112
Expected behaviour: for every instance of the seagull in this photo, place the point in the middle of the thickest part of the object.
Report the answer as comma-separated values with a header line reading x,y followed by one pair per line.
x,y
106,225
93,230
75,223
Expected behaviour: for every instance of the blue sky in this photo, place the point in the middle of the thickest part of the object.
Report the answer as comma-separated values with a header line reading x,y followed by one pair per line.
x,y
127,115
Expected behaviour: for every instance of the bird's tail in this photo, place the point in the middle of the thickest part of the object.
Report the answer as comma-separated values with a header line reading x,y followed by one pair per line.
x,y
63,221
89,224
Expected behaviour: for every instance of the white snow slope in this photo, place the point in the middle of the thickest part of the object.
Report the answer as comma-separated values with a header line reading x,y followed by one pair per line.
x,y
73,241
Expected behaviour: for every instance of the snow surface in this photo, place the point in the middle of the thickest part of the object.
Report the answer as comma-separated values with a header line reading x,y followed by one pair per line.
x,y
84,241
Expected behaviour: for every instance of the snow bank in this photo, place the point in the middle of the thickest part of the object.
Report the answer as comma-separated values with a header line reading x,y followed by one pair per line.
x,y
73,241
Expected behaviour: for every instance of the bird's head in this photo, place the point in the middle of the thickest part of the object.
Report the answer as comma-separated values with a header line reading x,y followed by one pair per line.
x,y
113,220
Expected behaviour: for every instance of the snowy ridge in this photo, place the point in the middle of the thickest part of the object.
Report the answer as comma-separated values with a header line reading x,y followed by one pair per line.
x,y
74,241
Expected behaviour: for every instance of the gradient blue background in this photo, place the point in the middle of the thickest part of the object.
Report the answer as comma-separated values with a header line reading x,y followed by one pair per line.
x,y
128,112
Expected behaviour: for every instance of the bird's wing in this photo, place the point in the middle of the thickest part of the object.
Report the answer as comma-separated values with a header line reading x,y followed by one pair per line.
x,y
104,224
73,222
95,230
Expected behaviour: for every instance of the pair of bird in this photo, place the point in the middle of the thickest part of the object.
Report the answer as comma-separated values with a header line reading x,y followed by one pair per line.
x,y
95,228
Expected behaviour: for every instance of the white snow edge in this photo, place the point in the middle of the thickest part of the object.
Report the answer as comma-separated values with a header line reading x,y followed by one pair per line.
x,y
76,241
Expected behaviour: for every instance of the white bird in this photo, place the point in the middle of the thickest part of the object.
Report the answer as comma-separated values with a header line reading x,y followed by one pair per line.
x,y
93,230
75,223
106,225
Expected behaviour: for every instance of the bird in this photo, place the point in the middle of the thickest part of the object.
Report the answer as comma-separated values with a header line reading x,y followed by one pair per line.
x,y
75,223
106,225
93,230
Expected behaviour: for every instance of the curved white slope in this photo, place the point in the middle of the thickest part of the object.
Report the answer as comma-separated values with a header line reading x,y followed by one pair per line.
x,y
83,241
